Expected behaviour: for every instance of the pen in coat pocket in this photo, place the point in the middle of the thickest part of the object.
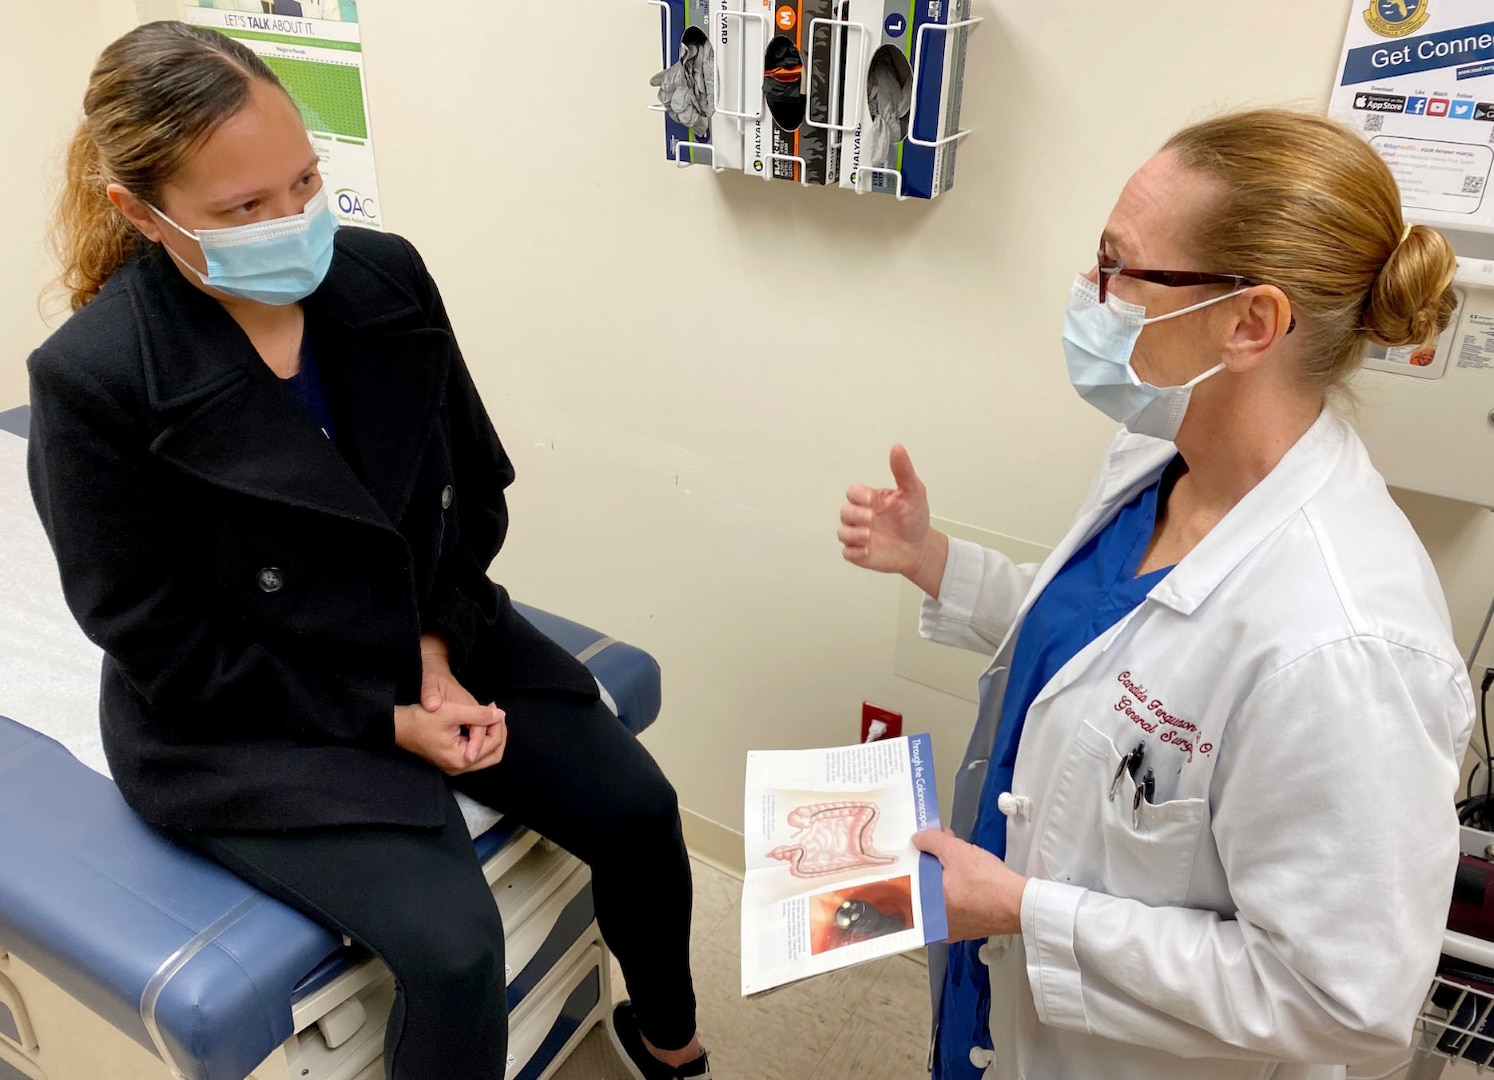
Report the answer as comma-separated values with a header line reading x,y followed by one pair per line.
x,y
1144,790
1129,764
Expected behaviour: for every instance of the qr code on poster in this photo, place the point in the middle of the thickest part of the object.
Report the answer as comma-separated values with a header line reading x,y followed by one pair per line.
x,y
1473,185
1374,122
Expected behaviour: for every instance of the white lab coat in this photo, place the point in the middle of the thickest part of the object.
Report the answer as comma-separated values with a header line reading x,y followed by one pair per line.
x,y
1305,712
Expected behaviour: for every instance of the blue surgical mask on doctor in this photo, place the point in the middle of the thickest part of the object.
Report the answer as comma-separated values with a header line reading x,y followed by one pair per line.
x,y
280,261
1098,340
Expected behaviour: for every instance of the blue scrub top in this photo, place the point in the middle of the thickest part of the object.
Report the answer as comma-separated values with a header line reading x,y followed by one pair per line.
x,y
310,391
1095,590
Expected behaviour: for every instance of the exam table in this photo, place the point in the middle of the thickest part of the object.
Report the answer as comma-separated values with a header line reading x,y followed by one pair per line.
x,y
124,956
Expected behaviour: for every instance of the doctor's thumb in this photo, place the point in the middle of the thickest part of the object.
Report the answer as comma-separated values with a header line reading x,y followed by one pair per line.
x,y
933,842
902,469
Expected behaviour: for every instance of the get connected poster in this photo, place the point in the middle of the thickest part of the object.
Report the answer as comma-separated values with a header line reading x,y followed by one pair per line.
x,y
315,49
1417,79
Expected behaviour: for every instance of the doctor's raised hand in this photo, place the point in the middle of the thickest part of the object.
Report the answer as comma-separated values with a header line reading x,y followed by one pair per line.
x,y
887,529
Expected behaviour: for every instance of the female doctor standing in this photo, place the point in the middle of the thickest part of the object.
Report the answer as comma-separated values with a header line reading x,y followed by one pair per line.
x,y
1205,824
274,493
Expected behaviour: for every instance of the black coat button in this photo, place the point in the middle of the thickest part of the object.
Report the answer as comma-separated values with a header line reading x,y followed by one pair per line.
x,y
271,580
446,497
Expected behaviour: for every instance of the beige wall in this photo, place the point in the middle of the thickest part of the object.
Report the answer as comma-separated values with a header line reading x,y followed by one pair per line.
x,y
44,63
46,52
688,369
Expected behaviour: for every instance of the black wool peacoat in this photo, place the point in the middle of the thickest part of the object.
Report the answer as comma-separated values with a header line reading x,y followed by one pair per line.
x,y
259,593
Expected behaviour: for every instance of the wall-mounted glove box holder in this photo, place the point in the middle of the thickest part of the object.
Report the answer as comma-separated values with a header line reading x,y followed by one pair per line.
x,y
858,94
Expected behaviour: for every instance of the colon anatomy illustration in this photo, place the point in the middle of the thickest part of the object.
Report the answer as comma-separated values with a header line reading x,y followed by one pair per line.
x,y
832,837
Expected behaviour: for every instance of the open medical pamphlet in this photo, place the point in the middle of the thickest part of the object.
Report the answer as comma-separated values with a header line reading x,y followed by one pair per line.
x,y
833,878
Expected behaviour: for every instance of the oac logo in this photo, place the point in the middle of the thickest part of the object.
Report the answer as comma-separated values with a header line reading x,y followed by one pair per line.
x,y
351,204
1396,18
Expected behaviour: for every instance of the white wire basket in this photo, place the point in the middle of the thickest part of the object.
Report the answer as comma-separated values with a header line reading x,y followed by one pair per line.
x,y
1457,1024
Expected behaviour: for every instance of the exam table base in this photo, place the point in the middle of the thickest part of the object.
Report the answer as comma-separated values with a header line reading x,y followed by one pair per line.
x,y
56,1037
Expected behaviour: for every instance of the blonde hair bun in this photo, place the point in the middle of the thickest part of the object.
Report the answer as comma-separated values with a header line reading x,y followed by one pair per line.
x,y
1305,204
1412,301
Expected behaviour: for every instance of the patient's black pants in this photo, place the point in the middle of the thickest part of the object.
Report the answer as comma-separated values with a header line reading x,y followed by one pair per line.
x,y
416,898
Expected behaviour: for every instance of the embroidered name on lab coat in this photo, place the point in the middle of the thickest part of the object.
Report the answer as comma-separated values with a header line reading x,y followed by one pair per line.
x,y
1148,712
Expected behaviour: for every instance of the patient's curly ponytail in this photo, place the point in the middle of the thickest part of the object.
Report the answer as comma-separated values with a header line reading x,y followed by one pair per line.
x,y
154,95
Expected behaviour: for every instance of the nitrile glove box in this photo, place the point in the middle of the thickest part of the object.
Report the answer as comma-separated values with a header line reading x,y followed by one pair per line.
x,y
783,144
700,34
906,82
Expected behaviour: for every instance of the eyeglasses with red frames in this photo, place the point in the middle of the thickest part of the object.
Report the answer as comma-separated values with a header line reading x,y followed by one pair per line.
x,y
1172,279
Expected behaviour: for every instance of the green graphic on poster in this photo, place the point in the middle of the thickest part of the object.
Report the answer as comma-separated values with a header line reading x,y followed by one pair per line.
x,y
330,96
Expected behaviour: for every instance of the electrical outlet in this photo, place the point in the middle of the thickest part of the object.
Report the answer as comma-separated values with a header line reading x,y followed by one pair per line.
x,y
893,720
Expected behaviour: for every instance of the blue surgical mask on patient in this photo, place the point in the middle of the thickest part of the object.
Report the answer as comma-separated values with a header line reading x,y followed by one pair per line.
x,y
280,261
1098,340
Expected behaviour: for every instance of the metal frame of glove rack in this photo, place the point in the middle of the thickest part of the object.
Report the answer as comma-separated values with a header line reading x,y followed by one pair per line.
x,y
863,178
